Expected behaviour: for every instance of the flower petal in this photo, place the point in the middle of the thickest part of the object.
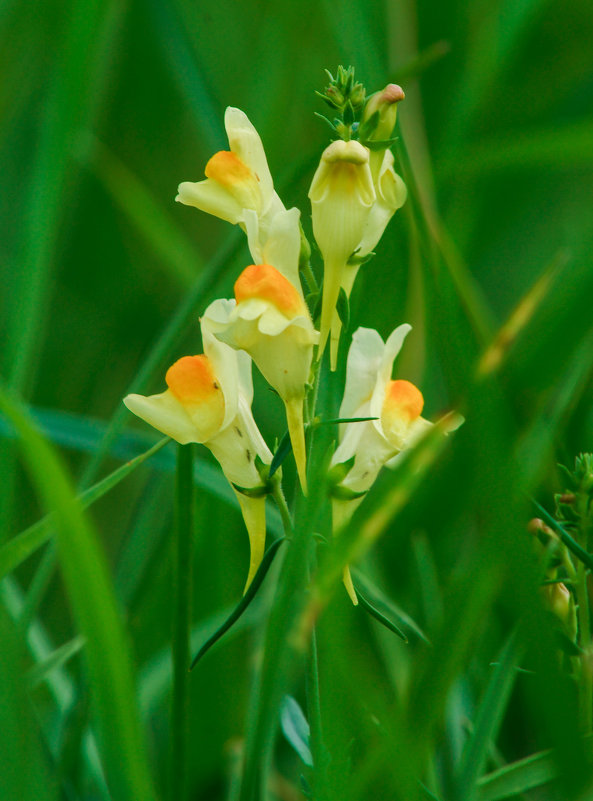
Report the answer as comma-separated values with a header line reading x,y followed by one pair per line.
x,y
165,413
283,245
224,363
211,197
392,348
245,141
364,362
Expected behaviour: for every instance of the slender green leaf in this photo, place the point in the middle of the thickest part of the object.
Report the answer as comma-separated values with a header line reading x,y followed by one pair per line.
x,y
16,550
296,729
83,55
23,772
282,451
570,543
40,672
181,624
518,777
93,603
243,603
488,720
380,599
378,616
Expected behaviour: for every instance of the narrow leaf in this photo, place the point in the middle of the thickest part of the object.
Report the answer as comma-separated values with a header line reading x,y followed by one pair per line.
x,y
94,606
570,543
335,420
57,659
374,612
14,552
296,729
518,777
243,603
488,719
282,451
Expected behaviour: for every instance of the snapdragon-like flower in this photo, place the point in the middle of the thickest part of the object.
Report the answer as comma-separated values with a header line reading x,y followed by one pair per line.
x,y
391,194
397,406
238,186
208,400
270,320
342,195
351,208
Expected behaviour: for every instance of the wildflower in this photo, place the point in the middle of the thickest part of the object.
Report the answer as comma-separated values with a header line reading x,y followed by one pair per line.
x,y
342,195
238,186
270,320
208,401
397,408
391,194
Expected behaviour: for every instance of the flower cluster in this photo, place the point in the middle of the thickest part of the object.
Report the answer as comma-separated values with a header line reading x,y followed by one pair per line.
x,y
354,193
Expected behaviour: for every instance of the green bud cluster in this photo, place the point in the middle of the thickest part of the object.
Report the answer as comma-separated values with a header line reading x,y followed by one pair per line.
x,y
343,92
368,120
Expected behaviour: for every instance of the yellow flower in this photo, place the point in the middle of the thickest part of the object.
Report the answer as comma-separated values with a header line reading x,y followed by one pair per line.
x,y
208,400
269,319
396,405
342,195
238,186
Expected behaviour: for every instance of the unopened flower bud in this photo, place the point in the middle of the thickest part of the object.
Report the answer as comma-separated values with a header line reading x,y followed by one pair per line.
x,y
384,105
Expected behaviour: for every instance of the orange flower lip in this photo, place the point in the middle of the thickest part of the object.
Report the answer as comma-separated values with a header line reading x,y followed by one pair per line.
x,y
192,380
404,399
267,283
227,169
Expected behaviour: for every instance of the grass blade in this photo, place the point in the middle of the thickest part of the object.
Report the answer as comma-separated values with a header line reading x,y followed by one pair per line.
x,y
570,543
181,624
488,719
518,777
55,660
69,107
21,547
24,774
94,606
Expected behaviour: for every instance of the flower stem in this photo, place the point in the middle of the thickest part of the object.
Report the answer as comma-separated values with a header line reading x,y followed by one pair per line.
x,y
182,592
280,500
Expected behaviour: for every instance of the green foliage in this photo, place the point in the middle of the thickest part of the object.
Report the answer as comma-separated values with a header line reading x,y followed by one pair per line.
x,y
104,109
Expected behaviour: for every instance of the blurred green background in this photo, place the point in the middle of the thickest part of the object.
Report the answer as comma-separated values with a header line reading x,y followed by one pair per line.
x,y
105,107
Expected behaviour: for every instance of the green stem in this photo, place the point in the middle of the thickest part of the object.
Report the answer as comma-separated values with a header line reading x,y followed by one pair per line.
x,y
180,635
585,643
278,496
318,749
307,271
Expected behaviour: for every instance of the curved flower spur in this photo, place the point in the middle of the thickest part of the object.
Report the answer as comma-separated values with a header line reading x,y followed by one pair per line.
x,y
208,401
